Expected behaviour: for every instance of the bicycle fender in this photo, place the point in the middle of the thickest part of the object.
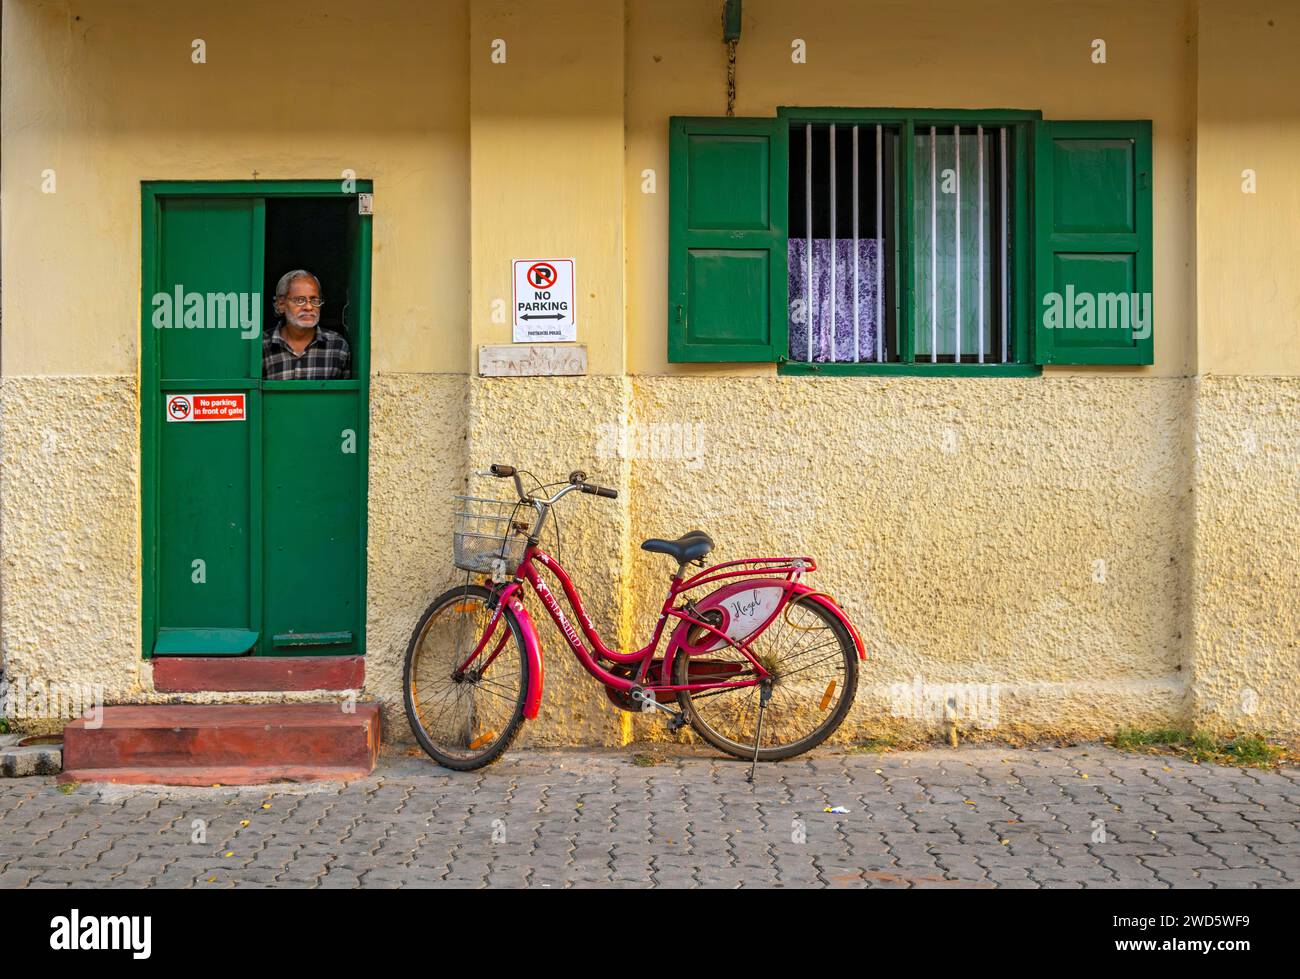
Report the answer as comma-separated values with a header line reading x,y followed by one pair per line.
x,y
828,603
532,649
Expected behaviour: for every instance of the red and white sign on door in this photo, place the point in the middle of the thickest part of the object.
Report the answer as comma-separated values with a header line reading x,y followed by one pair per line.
x,y
206,408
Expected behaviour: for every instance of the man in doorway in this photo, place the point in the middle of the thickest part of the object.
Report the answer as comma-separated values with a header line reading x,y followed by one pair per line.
x,y
299,349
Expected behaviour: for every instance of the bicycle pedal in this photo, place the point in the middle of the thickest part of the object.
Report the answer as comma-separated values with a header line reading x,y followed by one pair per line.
x,y
645,699
677,722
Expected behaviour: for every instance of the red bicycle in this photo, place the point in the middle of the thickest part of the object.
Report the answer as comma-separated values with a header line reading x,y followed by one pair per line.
x,y
763,667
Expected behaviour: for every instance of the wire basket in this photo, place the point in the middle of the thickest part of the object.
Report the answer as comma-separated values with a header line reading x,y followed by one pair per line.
x,y
486,533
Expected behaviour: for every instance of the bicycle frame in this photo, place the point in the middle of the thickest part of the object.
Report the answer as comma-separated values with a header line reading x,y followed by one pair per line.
x,y
758,573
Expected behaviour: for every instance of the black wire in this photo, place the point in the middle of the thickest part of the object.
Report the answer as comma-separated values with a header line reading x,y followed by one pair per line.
x,y
542,488
555,516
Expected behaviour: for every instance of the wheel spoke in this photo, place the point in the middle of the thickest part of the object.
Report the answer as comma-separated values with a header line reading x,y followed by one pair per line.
x,y
471,717
805,653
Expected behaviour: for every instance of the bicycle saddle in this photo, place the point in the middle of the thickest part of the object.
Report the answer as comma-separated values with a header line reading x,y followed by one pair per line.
x,y
688,547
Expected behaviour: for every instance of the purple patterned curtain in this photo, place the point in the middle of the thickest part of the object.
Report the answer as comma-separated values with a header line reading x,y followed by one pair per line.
x,y
865,325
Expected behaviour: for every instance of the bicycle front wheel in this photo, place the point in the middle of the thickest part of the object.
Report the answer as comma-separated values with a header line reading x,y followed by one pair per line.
x,y
464,718
813,665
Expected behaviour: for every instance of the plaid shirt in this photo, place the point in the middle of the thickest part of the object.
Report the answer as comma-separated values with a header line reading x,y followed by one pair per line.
x,y
325,358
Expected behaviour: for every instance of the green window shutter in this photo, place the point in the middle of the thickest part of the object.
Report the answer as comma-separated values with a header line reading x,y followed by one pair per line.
x,y
1092,249
727,240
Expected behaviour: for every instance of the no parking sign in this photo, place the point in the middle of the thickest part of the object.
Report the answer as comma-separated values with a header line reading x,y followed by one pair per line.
x,y
543,300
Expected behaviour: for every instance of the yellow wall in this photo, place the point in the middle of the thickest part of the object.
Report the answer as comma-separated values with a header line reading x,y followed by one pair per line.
x,y
903,53
112,98
107,96
1248,246
960,521
546,149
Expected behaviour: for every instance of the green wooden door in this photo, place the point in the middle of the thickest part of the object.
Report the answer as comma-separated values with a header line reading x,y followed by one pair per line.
x,y
254,525
208,598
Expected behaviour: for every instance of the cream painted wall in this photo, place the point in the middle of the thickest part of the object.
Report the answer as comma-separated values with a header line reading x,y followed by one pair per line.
x,y
897,53
117,100
546,158
969,565
1248,245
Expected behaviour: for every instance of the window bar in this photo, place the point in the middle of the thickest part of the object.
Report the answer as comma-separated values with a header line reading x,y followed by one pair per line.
x,y
834,297
808,262
1002,160
934,250
979,139
857,352
956,170
880,248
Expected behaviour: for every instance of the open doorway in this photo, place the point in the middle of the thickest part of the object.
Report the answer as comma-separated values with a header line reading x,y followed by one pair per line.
x,y
253,490
313,233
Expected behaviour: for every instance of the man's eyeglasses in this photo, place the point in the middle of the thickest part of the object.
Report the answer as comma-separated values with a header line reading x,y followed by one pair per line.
x,y
301,301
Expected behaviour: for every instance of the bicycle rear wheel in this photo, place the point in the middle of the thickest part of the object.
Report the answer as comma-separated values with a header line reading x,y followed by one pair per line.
x,y
465,719
813,663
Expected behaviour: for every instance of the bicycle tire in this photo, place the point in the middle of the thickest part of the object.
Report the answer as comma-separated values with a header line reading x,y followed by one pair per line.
x,y
739,749
506,736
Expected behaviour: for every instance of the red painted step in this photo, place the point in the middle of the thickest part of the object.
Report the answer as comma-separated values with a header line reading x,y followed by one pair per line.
x,y
230,744
193,674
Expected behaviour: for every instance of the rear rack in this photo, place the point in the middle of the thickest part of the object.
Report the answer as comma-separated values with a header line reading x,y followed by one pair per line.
x,y
790,567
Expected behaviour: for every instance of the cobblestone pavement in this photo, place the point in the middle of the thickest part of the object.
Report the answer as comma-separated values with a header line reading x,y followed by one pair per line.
x,y
1084,816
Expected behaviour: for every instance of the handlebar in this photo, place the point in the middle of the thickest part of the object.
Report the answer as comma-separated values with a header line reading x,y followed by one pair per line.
x,y
577,480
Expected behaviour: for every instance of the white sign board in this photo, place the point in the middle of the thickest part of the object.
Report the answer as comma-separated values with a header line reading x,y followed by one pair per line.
x,y
531,360
543,300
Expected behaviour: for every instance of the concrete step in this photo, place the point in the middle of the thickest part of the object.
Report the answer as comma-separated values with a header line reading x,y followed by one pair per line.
x,y
243,674
227,744
17,761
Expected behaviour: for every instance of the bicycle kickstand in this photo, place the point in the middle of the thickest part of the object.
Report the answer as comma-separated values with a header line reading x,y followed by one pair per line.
x,y
764,695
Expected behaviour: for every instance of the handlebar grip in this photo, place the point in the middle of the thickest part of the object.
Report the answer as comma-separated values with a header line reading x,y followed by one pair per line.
x,y
595,490
496,469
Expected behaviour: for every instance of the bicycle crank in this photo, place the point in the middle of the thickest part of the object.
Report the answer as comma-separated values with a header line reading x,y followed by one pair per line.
x,y
646,701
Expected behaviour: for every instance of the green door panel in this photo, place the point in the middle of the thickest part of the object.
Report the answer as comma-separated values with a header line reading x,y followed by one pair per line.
x,y
205,526
202,476
728,182
727,290
727,279
1093,243
311,468
211,258
1103,285
1094,185
204,642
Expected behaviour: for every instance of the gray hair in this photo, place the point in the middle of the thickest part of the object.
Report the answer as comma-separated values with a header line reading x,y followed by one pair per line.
x,y
286,280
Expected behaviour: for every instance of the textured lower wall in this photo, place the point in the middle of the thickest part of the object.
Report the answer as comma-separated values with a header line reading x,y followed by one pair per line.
x,y
1026,546
70,541
1029,537
1247,587
418,425
69,537
551,426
